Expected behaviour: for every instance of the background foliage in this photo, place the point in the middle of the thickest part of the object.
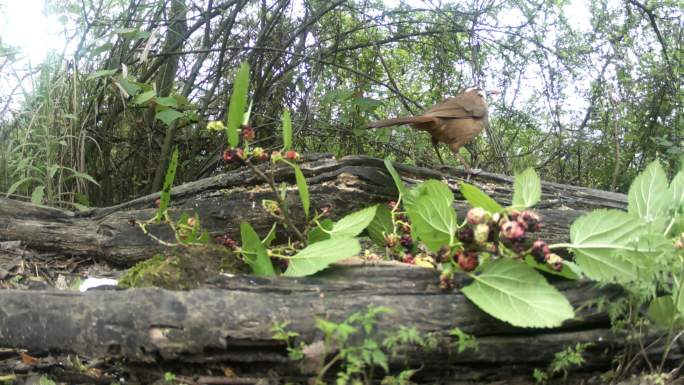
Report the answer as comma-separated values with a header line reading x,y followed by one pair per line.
x,y
587,99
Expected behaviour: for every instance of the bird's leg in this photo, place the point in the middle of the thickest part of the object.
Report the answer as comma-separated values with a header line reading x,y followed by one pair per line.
x,y
435,145
455,147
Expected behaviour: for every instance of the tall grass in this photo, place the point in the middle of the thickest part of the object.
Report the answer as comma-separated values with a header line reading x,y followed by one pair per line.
x,y
43,156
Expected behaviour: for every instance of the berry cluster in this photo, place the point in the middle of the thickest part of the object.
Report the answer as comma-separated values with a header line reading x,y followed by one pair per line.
x,y
511,235
239,154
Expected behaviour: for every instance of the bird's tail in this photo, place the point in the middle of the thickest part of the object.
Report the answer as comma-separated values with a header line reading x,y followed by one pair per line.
x,y
398,121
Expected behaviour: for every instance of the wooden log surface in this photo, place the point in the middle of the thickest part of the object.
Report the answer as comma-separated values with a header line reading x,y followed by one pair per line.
x,y
230,320
223,201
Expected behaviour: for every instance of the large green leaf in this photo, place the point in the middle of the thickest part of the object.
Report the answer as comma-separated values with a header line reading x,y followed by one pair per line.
x,y
353,224
526,188
319,255
433,221
169,115
514,292
145,97
287,130
677,191
477,198
648,196
238,103
254,251
380,225
602,239
37,195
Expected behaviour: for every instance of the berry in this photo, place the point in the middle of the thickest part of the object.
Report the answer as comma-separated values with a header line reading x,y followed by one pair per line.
x,y
406,241
477,215
512,231
468,261
228,156
259,153
408,258
443,254
391,240
554,261
157,202
540,250
276,156
466,235
247,133
481,233
530,221
226,241
326,211
292,155
240,153
392,205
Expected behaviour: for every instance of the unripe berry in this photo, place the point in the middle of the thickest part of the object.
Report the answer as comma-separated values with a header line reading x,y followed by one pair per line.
x,y
554,261
481,233
477,215
391,240
276,156
259,153
408,258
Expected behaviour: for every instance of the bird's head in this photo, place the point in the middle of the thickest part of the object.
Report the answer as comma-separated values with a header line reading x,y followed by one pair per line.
x,y
481,92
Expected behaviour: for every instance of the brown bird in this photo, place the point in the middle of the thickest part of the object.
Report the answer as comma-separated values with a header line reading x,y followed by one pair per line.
x,y
455,121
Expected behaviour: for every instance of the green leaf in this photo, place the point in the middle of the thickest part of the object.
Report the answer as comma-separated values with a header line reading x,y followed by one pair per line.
x,y
287,130
302,188
168,116
431,213
18,183
101,73
238,103
677,191
600,241
663,312
37,195
168,182
353,224
145,97
380,225
477,198
648,196
319,255
320,232
526,189
52,170
166,101
80,175
514,292
397,179
255,252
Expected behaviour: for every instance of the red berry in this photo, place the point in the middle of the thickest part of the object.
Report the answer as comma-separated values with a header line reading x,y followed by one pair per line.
x,y
511,231
248,133
240,153
157,202
530,221
292,155
228,155
468,261
408,258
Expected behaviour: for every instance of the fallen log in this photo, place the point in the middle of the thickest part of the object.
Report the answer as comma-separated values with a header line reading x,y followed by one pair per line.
x,y
223,201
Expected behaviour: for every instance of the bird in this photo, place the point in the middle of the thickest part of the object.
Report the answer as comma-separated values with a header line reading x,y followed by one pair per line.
x,y
454,121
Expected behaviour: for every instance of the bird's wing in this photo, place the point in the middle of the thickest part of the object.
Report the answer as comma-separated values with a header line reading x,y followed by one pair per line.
x,y
461,106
